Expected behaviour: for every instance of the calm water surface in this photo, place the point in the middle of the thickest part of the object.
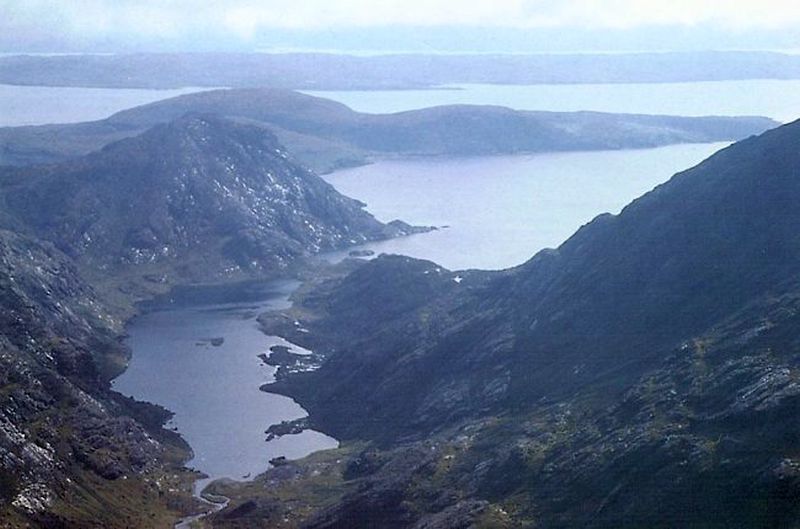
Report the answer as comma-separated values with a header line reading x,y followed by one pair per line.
x,y
501,210
213,390
40,105
777,99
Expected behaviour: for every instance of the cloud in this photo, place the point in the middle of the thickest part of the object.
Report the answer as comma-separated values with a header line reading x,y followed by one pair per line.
x,y
734,14
245,19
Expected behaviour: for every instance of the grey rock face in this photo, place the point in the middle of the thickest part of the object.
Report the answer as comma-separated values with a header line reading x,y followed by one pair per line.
x,y
58,419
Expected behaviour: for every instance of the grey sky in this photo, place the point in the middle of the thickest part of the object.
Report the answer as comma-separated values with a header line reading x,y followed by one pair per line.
x,y
251,24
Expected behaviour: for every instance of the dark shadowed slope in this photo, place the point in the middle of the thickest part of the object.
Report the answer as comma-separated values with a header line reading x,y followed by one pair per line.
x,y
642,374
325,134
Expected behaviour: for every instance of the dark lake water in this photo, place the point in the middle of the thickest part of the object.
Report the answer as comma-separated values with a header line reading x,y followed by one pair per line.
x,y
214,390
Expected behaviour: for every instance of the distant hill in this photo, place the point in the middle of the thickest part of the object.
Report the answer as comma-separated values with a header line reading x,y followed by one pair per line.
x,y
325,135
318,71
200,197
643,374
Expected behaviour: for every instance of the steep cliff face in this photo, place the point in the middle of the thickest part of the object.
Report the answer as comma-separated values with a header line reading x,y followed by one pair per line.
x,y
642,374
200,197
72,453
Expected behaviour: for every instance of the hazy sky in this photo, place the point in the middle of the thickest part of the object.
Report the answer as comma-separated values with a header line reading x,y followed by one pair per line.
x,y
48,25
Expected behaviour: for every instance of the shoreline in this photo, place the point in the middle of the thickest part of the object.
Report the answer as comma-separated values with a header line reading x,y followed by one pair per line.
x,y
166,301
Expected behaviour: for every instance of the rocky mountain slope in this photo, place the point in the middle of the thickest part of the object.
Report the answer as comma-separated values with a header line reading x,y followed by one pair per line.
x,y
325,135
643,374
73,453
199,198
